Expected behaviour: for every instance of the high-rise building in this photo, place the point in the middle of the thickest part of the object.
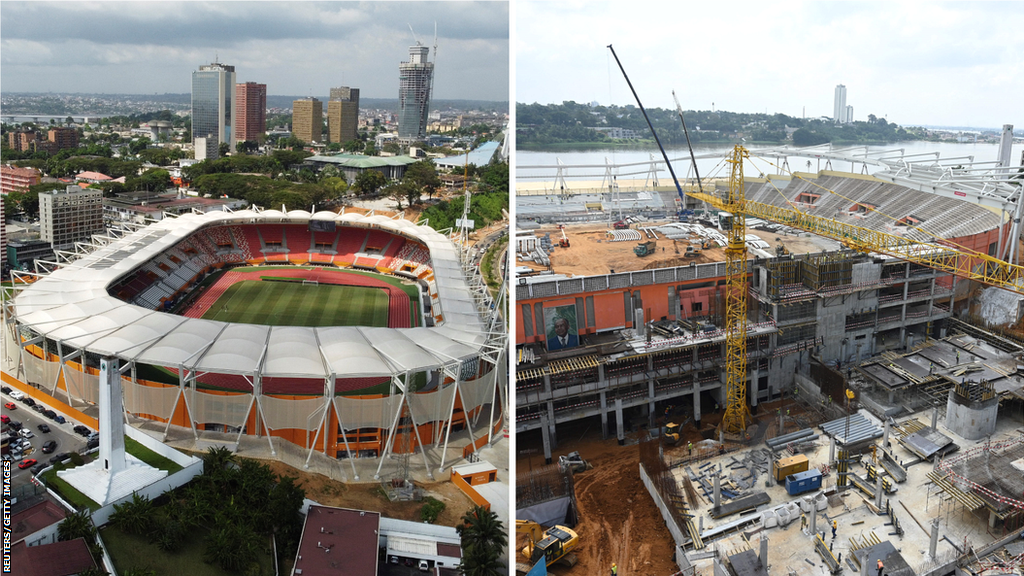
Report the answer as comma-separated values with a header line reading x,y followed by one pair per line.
x,y
343,114
839,110
251,106
67,216
63,137
206,148
3,236
415,79
308,120
213,103
849,114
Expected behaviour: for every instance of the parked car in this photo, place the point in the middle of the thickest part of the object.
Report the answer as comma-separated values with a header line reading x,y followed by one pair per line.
x,y
27,462
50,414
14,425
81,430
10,405
60,457
26,433
38,408
49,446
93,443
44,428
16,394
27,401
59,419
424,566
5,389
5,419
39,468
394,559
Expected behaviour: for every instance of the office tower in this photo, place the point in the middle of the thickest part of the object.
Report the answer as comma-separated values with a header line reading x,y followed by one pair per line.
x,y
849,114
206,148
308,120
251,106
213,103
67,216
63,138
839,112
414,83
343,114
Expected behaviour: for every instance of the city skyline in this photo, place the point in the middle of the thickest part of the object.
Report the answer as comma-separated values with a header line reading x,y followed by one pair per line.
x,y
954,64
152,47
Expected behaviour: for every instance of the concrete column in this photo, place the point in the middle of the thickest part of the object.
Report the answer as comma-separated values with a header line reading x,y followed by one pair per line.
x,y
813,516
752,394
600,376
718,492
604,415
544,437
885,435
864,565
111,421
650,404
878,487
696,403
991,519
832,451
551,425
892,396
935,418
620,431
547,384
934,544
764,552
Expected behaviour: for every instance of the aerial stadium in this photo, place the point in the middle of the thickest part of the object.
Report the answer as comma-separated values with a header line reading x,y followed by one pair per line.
x,y
352,335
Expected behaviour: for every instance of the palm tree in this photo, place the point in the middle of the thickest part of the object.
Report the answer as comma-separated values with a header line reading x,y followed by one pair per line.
x,y
482,527
479,561
77,525
133,517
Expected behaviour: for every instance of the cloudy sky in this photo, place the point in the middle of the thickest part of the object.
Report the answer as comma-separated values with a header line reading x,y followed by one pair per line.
x,y
935,63
295,48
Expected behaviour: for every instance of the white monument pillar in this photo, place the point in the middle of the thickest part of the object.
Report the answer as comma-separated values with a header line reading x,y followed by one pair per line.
x,y
111,417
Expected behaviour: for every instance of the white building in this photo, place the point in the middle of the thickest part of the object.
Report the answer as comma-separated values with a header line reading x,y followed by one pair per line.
x,y
839,109
213,103
71,215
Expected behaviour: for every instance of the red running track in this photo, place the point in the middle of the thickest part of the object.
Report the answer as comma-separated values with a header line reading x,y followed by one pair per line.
x,y
399,312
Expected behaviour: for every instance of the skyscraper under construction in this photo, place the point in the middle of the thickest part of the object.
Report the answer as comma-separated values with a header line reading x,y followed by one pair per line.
x,y
415,79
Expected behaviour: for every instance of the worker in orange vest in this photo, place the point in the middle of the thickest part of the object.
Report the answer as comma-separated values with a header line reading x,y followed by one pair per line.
x,y
880,567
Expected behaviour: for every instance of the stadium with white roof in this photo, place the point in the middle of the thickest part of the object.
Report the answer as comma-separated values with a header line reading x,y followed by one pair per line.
x,y
345,391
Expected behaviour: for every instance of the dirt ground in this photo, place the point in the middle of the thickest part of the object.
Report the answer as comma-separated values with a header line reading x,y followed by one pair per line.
x,y
590,252
618,520
368,496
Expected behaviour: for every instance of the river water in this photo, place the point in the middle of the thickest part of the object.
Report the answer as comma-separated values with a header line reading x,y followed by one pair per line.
x,y
591,164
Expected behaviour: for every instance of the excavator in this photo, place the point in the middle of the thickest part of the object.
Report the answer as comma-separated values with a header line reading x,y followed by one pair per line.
x,y
671,434
554,544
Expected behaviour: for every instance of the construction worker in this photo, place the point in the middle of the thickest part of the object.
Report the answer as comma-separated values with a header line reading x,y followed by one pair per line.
x,y
615,568
835,525
931,367
803,522
957,356
880,567
689,448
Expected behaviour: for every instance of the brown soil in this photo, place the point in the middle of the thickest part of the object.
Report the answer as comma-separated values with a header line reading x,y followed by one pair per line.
x,y
590,252
368,496
618,520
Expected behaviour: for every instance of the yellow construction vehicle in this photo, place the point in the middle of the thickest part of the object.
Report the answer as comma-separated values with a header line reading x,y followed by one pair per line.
x,y
671,434
554,544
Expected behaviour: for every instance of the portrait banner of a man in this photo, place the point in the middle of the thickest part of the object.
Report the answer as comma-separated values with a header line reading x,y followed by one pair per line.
x,y
561,328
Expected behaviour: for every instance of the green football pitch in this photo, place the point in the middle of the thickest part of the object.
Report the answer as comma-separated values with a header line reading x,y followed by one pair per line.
x,y
295,304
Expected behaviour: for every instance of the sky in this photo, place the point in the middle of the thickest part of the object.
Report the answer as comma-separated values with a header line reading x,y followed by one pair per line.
x,y
914,63
295,48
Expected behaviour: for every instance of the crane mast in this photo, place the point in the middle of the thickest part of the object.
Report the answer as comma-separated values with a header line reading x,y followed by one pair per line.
x,y
736,414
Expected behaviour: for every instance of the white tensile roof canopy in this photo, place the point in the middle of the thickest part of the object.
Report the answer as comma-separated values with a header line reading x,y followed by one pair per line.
x,y
71,305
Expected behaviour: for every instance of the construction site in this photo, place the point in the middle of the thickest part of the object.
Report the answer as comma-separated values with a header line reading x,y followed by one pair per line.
x,y
798,373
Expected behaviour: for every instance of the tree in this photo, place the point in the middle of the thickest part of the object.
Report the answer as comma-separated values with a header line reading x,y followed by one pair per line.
x,y
134,517
483,540
369,182
223,149
77,525
424,176
872,119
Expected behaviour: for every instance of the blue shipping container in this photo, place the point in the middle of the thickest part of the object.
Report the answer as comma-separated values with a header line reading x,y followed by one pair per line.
x,y
803,482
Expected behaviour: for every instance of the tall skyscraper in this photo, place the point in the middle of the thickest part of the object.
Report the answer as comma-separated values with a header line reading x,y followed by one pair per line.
x,y
414,83
839,110
308,120
343,114
67,216
849,114
251,105
213,103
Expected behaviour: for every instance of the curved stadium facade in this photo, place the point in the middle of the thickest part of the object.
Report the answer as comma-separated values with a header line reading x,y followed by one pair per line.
x,y
346,391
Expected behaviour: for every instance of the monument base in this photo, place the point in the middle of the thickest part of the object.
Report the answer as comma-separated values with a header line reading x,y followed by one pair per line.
x,y
103,487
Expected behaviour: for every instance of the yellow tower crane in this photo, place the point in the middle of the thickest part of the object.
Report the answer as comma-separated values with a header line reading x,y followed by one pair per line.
x,y
736,266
